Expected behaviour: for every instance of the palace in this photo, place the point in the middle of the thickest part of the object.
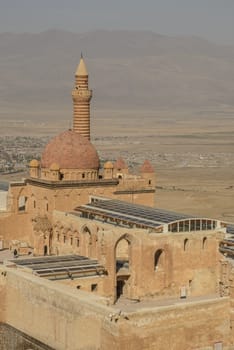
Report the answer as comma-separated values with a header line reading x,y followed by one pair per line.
x,y
98,266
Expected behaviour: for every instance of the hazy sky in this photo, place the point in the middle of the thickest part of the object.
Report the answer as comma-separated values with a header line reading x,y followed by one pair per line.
x,y
212,19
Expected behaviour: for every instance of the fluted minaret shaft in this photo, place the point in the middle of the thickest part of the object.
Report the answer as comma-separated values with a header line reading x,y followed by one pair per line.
x,y
81,101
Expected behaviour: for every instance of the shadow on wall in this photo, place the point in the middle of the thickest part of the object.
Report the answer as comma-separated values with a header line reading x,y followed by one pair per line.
x,y
12,339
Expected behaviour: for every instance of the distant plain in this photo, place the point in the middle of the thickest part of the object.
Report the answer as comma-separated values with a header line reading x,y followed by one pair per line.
x,y
193,157
174,107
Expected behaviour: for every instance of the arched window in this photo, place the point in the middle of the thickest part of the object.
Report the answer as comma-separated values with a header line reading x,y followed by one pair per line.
x,y
204,243
122,254
22,203
86,230
186,241
159,259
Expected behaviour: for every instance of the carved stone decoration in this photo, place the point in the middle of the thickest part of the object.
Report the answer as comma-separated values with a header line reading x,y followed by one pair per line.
x,y
42,229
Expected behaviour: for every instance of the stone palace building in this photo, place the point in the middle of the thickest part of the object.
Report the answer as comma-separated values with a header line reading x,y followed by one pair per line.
x,y
97,266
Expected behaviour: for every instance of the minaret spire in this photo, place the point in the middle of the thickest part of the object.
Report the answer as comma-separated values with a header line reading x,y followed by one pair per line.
x,y
81,96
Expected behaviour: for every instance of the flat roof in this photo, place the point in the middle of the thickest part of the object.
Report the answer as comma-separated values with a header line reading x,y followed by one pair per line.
x,y
120,212
230,228
61,267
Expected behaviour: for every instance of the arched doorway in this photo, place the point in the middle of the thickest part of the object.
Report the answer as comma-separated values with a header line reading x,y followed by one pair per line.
x,y
45,250
122,265
87,237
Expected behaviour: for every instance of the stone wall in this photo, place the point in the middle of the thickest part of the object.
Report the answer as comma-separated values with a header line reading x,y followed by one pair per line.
x,y
89,284
64,318
189,326
3,200
16,227
16,223
52,313
185,263
12,339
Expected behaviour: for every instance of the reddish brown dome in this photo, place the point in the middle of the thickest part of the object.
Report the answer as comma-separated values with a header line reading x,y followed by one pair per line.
x,y
147,167
120,164
70,150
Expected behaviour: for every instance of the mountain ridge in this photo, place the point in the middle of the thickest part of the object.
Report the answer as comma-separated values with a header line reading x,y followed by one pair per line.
x,y
128,70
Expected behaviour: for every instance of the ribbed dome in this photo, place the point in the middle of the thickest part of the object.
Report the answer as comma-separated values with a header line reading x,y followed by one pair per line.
x,y
70,150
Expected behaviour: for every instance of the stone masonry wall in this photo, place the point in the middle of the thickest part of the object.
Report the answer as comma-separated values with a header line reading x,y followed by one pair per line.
x,y
63,318
52,313
189,326
12,339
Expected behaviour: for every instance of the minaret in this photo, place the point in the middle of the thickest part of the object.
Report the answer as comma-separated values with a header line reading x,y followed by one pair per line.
x,y
81,96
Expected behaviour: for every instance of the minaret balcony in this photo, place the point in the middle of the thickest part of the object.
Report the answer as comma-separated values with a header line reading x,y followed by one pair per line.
x,y
82,93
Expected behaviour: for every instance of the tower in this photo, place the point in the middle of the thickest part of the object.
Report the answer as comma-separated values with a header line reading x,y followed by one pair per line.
x,y
81,96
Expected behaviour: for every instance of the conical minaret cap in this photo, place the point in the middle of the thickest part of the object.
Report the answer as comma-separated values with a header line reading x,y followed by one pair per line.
x,y
81,69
